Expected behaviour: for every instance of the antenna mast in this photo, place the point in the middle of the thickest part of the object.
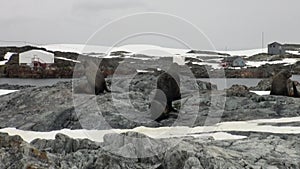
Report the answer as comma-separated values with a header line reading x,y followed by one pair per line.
x,y
262,42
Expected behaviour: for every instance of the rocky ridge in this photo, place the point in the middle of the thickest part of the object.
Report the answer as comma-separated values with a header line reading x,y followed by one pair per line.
x,y
257,151
56,107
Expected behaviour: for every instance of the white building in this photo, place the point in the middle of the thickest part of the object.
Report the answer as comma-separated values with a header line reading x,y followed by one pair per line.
x,y
31,56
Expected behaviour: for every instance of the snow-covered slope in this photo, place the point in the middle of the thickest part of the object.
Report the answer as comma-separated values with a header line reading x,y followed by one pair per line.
x,y
217,131
4,91
134,49
286,61
6,57
76,48
66,59
139,49
250,52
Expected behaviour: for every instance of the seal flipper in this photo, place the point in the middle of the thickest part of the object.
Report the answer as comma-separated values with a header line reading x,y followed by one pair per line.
x,y
296,93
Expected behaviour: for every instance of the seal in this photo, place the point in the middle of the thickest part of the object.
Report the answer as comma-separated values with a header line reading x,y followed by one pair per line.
x,y
95,77
280,83
295,90
168,90
83,87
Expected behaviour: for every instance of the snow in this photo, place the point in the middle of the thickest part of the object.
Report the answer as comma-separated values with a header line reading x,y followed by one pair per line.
x,y
71,60
144,71
3,62
286,61
132,48
76,48
97,135
157,51
293,52
151,50
213,65
7,56
218,131
4,91
145,49
250,52
261,93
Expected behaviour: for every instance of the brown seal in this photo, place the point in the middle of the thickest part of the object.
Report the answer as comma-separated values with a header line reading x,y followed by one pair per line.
x,y
95,78
168,90
280,83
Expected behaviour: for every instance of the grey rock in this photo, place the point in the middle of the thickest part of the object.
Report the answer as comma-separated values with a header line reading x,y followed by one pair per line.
x,y
259,150
55,107
263,85
192,163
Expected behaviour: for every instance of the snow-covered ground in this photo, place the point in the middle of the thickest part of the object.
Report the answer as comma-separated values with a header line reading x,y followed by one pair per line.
x,y
261,93
157,51
143,71
71,60
286,61
294,52
134,49
249,52
142,49
218,131
76,48
210,59
213,65
3,62
4,91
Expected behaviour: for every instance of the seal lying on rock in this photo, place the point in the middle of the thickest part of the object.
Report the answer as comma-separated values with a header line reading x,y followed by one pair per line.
x,y
96,83
283,86
168,90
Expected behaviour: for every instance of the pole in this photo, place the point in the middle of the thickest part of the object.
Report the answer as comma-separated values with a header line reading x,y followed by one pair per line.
x,y
262,42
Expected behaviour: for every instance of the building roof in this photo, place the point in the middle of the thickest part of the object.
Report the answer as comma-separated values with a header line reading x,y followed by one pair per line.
x,y
37,51
275,43
286,44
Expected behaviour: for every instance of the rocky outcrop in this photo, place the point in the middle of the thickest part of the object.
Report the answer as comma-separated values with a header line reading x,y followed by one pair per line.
x,y
56,107
238,90
42,109
137,151
14,87
15,153
63,144
263,85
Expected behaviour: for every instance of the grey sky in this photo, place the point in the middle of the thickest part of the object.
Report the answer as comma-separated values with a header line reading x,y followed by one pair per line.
x,y
235,24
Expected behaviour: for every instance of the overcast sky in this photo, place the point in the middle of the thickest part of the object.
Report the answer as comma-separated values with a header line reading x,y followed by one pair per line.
x,y
231,24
